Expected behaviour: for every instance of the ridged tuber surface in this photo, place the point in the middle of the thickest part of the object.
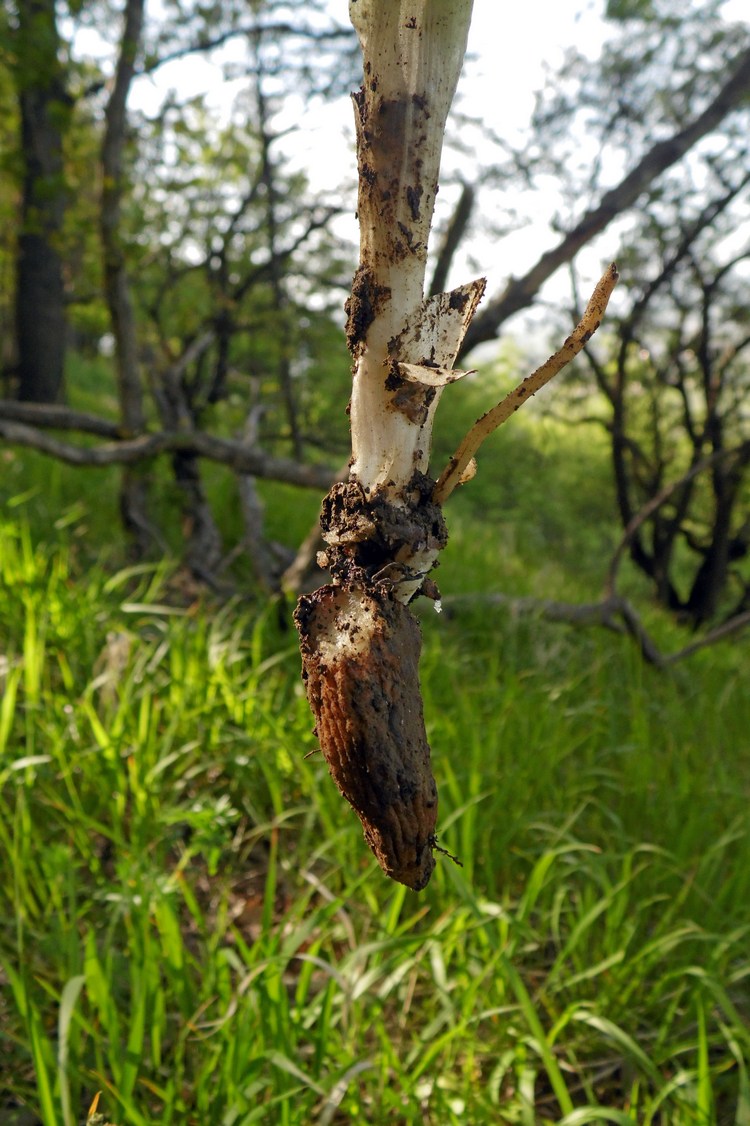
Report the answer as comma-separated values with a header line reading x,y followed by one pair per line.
x,y
360,656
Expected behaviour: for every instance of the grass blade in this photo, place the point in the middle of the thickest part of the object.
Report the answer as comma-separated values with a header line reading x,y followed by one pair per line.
x,y
535,1027
68,1000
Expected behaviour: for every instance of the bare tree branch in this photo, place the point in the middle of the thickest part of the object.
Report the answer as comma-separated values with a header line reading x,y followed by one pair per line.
x,y
520,292
452,237
741,453
206,43
613,613
50,416
133,450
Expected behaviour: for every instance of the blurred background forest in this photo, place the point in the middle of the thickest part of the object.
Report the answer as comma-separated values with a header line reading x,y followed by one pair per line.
x,y
173,285
191,923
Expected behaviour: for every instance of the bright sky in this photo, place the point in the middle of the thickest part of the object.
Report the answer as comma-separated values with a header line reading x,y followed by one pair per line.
x,y
506,62
509,57
513,48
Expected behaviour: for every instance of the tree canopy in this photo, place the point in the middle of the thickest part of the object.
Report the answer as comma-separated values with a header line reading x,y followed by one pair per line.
x,y
185,244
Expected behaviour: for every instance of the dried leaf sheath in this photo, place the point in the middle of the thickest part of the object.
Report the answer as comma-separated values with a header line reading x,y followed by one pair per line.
x,y
360,657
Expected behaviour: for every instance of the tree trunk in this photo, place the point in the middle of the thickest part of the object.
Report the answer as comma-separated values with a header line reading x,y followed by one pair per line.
x,y
276,265
203,546
133,491
44,107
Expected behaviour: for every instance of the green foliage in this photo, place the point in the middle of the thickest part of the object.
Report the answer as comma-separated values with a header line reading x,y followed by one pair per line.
x,y
192,925
236,278
630,10
540,513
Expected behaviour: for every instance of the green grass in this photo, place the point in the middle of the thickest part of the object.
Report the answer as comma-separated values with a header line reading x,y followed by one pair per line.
x,y
191,923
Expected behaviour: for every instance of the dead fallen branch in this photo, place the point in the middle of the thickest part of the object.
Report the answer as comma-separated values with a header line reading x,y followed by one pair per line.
x,y
130,451
51,416
613,613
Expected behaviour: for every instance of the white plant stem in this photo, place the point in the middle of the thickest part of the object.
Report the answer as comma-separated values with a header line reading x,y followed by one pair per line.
x,y
412,54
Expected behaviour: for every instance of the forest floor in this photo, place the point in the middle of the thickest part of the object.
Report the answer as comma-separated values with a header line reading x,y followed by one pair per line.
x,y
192,925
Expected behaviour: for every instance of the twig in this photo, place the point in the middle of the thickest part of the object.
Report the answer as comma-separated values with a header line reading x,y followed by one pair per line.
x,y
484,426
726,629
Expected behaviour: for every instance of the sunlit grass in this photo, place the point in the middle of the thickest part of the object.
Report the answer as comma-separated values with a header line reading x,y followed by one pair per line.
x,y
192,924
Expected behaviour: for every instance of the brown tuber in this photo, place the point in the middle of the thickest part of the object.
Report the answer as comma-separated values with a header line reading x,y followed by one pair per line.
x,y
361,669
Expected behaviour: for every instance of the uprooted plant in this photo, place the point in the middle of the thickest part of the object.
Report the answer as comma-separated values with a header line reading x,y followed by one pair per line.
x,y
384,526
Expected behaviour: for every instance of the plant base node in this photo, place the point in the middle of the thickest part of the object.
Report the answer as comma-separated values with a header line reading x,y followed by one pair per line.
x,y
360,655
